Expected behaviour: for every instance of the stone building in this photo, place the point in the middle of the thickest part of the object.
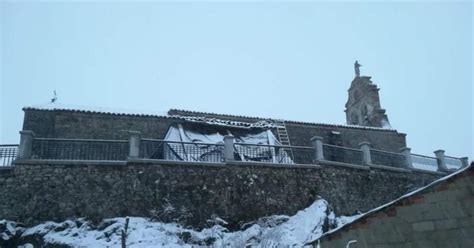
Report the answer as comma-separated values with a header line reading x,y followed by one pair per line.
x,y
438,215
94,163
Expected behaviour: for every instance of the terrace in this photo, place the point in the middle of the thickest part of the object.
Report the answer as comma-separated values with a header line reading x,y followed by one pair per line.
x,y
230,149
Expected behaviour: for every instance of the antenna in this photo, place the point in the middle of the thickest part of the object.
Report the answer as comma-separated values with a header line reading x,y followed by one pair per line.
x,y
55,97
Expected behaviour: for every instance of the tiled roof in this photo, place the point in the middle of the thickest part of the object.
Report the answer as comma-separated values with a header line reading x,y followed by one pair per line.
x,y
187,115
197,113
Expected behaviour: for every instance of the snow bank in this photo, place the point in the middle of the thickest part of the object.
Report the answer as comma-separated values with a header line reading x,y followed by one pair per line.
x,y
272,231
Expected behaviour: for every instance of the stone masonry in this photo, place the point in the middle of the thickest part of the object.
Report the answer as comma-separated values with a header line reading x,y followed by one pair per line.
x,y
441,216
40,190
75,124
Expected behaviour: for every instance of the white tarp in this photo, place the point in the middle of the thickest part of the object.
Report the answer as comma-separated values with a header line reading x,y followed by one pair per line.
x,y
250,147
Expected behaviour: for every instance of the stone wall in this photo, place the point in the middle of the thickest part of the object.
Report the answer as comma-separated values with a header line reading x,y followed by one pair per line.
x,y
439,216
300,135
89,125
38,190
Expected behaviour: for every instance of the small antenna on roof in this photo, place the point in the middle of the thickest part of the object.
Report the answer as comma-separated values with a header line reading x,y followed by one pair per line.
x,y
55,97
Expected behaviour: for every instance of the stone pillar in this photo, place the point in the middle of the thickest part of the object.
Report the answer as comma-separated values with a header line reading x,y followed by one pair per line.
x,y
441,161
465,161
317,143
134,143
405,151
365,148
26,144
228,148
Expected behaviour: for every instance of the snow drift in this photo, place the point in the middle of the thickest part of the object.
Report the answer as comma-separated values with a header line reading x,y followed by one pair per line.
x,y
272,231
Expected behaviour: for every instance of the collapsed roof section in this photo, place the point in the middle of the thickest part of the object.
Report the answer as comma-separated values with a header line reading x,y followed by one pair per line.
x,y
227,123
187,142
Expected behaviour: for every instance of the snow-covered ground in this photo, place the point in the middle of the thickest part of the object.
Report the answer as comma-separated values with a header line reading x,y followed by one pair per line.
x,y
272,231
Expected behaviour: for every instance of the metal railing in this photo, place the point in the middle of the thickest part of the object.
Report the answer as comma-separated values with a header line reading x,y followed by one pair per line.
x,y
273,154
137,147
386,158
79,149
8,154
181,151
453,163
343,154
424,162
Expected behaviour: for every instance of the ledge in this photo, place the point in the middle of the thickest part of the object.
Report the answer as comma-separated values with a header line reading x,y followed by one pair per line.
x,y
158,162
274,165
384,167
168,162
226,164
430,172
6,168
354,166
69,162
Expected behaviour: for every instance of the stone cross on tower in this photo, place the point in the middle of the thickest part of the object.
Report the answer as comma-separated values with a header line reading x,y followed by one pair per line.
x,y
363,104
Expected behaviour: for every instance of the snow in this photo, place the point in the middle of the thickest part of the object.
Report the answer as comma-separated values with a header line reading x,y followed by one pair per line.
x,y
95,109
272,231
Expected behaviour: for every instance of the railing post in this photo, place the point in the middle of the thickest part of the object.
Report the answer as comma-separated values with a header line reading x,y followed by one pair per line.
x,y
26,144
317,143
365,148
405,151
134,143
228,148
441,160
464,161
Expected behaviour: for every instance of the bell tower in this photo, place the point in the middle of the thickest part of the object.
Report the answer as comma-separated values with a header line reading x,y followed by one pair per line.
x,y
363,104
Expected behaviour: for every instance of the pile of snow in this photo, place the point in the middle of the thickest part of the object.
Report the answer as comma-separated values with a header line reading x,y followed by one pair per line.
x,y
273,231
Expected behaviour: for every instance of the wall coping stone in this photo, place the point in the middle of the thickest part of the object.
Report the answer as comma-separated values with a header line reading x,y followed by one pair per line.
x,y
226,164
354,166
162,162
429,172
319,165
384,167
70,162
275,165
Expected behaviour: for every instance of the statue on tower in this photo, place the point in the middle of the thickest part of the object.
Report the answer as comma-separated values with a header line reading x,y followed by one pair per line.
x,y
356,68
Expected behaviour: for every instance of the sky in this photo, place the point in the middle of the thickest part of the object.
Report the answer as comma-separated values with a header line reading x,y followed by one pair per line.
x,y
288,60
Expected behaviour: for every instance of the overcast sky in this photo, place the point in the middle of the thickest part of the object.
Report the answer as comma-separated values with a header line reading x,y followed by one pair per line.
x,y
283,60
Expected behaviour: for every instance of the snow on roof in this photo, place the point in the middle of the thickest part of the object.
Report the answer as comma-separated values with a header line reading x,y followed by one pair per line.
x,y
193,113
382,207
91,109
191,116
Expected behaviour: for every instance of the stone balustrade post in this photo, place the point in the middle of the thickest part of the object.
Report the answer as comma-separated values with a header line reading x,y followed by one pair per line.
x,y
405,151
26,144
228,148
465,161
441,160
317,143
365,148
134,143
